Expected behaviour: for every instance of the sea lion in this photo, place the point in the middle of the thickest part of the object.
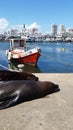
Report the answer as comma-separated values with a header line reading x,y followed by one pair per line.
x,y
6,75
15,92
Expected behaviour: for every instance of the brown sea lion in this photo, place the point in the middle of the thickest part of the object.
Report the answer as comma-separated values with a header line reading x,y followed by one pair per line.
x,y
6,75
15,92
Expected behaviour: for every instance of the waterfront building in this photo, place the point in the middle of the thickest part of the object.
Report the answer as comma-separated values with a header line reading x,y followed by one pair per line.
x,y
57,33
53,30
61,30
69,32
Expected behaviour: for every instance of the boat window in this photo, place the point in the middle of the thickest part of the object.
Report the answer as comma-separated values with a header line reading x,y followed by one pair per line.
x,y
21,43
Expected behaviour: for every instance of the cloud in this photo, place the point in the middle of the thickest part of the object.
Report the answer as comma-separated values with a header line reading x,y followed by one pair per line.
x,y
33,25
17,27
3,24
28,27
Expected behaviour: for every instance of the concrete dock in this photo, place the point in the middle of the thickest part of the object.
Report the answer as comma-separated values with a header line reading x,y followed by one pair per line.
x,y
53,112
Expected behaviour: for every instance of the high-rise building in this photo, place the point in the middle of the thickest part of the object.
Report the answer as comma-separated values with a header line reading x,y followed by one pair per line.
x,y
61,30
54,30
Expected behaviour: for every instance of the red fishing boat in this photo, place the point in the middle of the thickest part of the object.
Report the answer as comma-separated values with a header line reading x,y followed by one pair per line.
x,y
18,52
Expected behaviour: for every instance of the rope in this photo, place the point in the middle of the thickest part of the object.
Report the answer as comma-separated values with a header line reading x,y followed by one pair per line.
x,y
8,69
4,67
57,60
46,57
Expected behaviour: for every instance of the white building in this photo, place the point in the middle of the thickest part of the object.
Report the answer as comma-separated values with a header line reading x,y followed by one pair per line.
x,y
54,30
61,30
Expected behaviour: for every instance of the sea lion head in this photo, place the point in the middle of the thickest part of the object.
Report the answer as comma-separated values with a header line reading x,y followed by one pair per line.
x,y
52,87
32,77
48,87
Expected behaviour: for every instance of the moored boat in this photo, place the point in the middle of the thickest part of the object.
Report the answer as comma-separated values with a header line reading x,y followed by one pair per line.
x,y
18,52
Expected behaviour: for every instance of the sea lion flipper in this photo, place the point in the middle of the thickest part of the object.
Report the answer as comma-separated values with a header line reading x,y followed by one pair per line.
x,y
8,103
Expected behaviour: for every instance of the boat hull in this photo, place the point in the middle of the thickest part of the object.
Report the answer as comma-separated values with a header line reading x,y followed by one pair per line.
x,y
30,59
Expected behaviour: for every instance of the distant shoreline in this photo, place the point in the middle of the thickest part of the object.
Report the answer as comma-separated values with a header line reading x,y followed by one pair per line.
x,y
41,41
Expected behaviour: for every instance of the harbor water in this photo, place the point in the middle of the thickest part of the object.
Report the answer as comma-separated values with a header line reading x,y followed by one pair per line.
x,y
55,58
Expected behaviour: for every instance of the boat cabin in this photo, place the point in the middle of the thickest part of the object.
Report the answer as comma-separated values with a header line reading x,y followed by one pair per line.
x,y
17,44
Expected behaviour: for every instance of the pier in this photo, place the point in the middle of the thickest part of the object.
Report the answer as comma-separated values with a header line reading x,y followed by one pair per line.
x,y
53,112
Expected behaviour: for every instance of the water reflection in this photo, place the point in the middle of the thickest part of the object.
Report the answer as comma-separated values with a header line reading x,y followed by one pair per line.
x,y
15,66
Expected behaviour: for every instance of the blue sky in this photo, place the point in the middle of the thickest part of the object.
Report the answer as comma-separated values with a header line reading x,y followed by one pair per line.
x,y
43,12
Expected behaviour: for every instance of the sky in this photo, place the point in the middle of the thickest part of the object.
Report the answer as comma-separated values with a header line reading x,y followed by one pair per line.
x,y
39,13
